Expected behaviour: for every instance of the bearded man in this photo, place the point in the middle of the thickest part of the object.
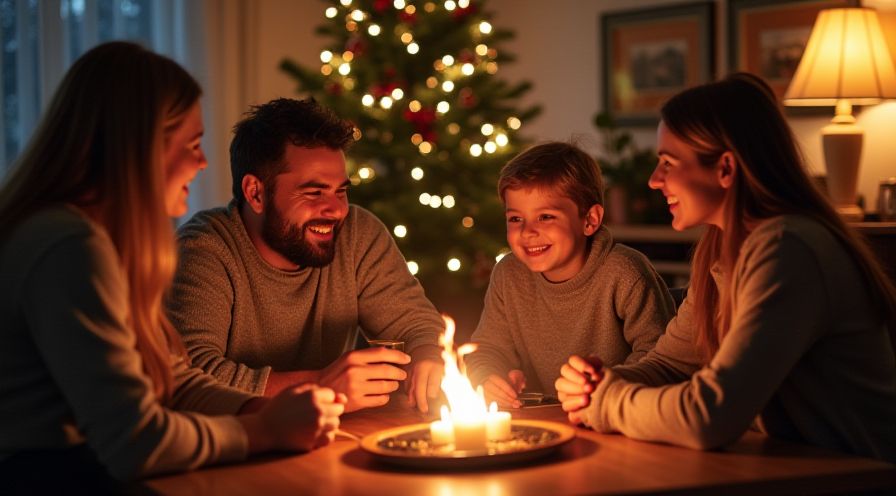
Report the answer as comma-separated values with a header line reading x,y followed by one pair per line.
x,y
271,289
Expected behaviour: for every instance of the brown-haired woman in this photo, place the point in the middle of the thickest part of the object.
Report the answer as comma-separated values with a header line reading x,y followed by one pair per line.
x,y
90,367
786,319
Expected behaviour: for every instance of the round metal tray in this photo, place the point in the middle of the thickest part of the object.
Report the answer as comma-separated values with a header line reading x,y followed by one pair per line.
x,y
410,446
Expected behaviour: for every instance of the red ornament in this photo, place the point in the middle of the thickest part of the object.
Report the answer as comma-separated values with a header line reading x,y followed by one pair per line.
x,y
460,14
467,97
422,121
408,18
381,5
382,89
466,56
334,88
356,45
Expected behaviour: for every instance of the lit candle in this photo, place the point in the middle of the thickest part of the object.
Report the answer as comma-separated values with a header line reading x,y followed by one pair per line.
x,y
497,424
470,434
442,431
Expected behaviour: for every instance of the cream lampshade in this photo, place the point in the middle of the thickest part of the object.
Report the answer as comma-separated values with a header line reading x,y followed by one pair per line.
x,y
846,63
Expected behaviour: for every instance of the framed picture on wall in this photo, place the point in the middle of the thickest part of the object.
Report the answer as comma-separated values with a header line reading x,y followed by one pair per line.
x,y
767,37
651,54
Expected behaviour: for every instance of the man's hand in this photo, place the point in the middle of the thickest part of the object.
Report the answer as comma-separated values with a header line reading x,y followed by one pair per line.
x,y
365,377
425,383
578,379
503,391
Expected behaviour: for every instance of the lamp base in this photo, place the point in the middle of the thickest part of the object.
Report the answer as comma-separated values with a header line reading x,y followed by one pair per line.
x,y
842,144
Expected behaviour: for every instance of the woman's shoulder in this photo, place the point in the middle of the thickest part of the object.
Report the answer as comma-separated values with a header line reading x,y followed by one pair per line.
x,y
58,227
52,225
792,228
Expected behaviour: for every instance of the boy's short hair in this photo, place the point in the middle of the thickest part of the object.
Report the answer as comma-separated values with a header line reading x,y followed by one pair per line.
x,y
260,138
561,166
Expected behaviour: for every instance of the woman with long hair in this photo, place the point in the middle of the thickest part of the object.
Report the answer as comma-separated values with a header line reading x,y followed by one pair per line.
x,y
787,315
90,367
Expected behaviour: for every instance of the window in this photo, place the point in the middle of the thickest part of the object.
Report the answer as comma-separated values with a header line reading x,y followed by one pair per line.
x,y
41,38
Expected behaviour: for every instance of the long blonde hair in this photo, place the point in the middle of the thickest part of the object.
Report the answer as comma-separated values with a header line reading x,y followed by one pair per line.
x,y
740,114
99,145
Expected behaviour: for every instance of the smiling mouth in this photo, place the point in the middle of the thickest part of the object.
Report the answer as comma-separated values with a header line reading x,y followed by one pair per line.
x,y
321,229
536,250
672,200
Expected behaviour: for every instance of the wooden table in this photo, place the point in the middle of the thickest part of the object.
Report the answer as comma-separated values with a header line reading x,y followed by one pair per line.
x,y
591,464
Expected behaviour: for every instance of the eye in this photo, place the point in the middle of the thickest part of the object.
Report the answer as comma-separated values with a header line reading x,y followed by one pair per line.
x,y
545,217
513,218
342,191
312,194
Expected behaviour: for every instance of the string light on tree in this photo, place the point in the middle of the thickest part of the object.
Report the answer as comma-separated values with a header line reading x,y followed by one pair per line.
x,y
453,265
417,173
400,231
413,267
448,201
331,12
476,149
424,198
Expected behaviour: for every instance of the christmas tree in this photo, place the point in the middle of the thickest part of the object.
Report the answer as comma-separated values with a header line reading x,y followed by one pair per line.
x,y
435,125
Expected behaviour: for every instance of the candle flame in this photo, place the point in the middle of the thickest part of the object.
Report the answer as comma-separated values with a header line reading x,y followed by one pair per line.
x,y
465,402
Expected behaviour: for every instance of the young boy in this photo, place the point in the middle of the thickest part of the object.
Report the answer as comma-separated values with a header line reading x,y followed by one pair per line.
x,y
566,288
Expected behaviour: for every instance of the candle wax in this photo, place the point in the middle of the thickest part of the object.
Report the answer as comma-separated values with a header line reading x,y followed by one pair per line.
x,y
498,426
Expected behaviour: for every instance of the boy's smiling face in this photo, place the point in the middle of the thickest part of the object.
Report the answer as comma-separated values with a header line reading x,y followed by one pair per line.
x,y
546,231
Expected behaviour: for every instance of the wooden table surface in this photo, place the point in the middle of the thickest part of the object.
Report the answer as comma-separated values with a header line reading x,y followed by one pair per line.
x,y
590,464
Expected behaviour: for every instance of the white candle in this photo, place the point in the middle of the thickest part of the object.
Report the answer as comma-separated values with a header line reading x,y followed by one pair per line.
x,y
441,432
498,426
470,434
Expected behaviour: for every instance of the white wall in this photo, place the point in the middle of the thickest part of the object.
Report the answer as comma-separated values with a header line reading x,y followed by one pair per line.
x,y
557,47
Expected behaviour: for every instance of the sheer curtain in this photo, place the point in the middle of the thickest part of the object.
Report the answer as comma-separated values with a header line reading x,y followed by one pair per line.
x,y
39,39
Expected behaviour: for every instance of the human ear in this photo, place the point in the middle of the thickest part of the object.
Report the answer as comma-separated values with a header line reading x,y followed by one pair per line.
x,y
727,168
253,192
593,218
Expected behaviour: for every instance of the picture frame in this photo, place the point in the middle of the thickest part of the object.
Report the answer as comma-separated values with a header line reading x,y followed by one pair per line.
x,y
767,38
649,55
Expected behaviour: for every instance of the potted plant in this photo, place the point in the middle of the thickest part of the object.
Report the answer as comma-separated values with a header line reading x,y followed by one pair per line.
x,y
627,168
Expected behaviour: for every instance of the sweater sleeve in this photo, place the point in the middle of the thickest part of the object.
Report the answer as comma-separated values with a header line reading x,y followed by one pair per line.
x,y
202,282
496,353
74,300
391,302
197,391
645,309
673,359
779,307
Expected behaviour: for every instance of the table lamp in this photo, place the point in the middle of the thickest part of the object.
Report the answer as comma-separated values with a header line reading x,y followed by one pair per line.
x,y
846,63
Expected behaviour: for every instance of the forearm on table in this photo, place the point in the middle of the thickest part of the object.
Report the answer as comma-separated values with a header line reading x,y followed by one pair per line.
x,y
278,381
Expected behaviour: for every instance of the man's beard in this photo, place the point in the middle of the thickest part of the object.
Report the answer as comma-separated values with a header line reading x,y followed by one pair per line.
x,y
289,240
